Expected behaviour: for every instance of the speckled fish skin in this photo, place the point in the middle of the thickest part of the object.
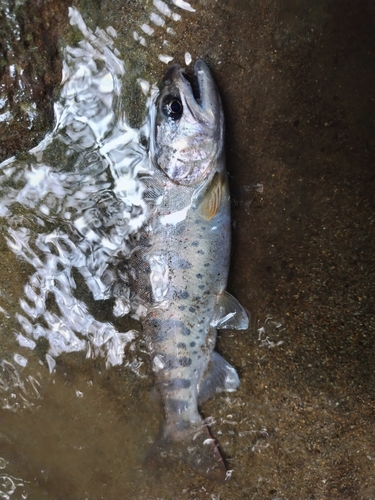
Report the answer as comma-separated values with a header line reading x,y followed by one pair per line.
x,y
189,260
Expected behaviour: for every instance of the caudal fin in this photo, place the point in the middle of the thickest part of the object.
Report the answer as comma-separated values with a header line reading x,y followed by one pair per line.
x,y
196,448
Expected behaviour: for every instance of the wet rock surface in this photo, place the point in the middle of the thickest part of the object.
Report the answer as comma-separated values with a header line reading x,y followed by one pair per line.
x,y
297,84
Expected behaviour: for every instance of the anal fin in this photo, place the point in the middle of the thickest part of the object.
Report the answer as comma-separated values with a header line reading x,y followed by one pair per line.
x,y
220,377
229,314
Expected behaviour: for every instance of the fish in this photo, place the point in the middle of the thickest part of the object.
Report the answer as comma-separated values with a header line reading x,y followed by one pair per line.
x,y
185,264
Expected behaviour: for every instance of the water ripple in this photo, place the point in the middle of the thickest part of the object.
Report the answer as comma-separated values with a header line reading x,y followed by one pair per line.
x,y
75,204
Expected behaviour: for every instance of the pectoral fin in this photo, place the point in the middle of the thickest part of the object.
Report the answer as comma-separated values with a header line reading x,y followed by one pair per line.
x,y
210,204
220,377
229,314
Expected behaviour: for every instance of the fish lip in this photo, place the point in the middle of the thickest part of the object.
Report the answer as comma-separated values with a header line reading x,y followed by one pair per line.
x,y
208,103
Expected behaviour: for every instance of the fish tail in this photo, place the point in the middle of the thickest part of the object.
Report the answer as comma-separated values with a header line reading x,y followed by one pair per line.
x,y
195,447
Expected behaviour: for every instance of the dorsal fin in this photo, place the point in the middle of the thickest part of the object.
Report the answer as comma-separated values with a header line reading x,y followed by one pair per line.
x,y
210,204
229,314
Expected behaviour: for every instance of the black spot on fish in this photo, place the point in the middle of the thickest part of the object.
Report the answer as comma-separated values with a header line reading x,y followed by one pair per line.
x,y
196,352
186,331
192,309
179,228
178,262
192,344
181,345
185,361
171,362
201,330
195,244
184,264
202,287
182,308
199,275
182,294
173,326
177,405
176,384
206,264
200,252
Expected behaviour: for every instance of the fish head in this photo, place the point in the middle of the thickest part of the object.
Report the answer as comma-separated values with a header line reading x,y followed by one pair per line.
x,y
189,129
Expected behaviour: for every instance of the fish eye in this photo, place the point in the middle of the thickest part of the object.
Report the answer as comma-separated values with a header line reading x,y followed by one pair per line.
x,y
172,107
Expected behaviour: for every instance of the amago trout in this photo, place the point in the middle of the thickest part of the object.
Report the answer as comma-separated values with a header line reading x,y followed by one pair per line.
x,y
186,264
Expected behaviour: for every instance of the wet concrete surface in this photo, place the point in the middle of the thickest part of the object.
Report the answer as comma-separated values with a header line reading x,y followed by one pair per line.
x,y
297,82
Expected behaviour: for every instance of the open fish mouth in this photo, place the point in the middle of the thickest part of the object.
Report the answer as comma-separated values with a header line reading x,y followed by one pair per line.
x,y
194,84
197,90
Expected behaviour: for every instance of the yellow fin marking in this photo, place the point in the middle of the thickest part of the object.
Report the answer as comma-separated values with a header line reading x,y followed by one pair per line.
x,y
210,204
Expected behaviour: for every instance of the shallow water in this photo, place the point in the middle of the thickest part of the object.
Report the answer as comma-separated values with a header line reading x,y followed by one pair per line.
x,y
77,419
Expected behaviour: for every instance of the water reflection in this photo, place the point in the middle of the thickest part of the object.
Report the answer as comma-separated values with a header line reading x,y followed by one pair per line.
x,y
10,486
77,202
17,391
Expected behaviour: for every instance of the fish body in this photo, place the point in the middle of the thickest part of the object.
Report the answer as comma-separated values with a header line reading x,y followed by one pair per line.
x,y
188,262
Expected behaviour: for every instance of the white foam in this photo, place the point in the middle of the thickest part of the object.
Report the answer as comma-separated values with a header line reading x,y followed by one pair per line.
x,y
183,5
147,29
175,217
3,311
158,363
51,363
156,19
162,7
145,85
159,277
111,32
20,360
25,341
5,116
165,59
188,58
